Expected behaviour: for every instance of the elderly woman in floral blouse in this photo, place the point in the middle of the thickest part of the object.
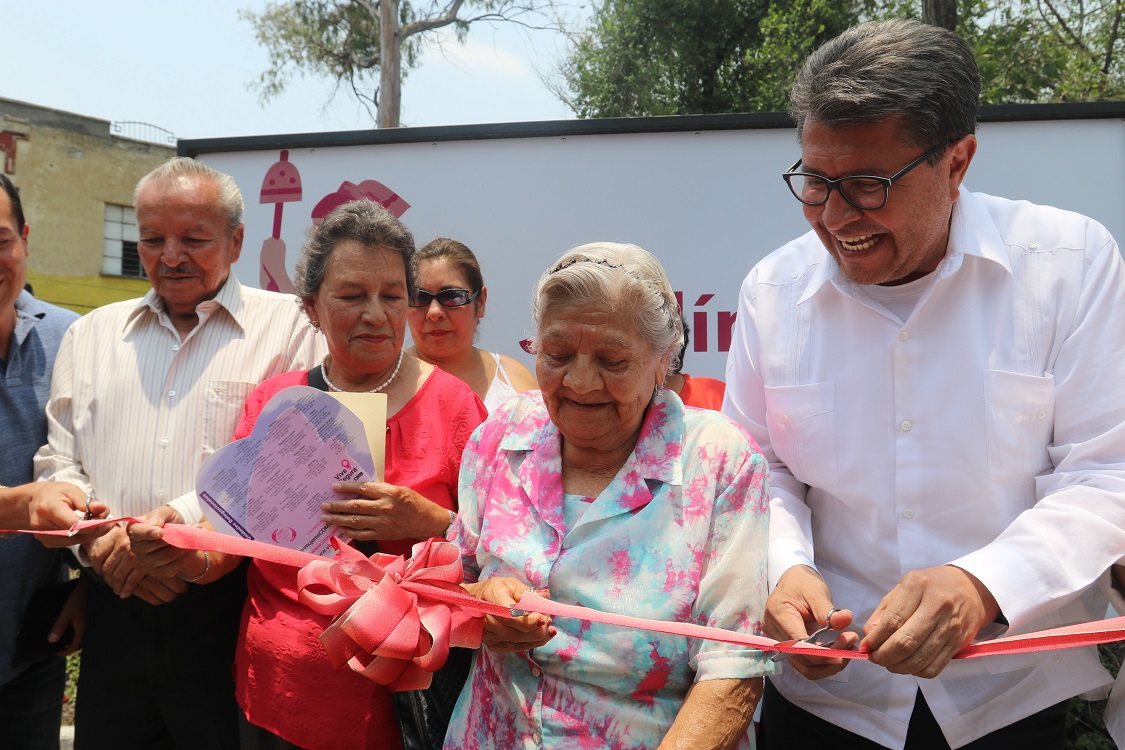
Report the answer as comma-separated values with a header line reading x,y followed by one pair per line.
x,y
605,490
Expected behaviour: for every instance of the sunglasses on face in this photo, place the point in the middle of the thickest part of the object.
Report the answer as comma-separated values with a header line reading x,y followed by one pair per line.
x,y
445,298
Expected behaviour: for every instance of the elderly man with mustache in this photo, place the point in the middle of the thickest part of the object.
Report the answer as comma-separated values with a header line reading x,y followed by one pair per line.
x,y
144,391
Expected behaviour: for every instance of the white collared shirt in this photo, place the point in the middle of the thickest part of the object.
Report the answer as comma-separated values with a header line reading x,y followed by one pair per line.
x,y
987,431
134,409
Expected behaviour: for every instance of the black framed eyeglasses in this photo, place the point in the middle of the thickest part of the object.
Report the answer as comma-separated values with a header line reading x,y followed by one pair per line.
x,y
865,192
445,298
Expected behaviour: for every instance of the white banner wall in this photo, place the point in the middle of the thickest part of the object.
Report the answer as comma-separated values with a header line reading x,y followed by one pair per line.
x,y
708,203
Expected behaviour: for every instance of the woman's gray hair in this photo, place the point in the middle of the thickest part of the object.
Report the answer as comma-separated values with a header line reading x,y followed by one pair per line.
x,y
181,168
362,221
617,277
923,74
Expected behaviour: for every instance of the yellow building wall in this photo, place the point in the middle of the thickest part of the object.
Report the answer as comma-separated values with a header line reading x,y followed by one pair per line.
x,y
67,169
83,293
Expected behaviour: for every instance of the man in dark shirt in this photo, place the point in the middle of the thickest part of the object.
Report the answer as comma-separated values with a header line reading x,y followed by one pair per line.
x,y
30,693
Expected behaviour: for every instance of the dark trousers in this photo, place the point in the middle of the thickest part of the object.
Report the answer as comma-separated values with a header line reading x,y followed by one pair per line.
x,y
253,737
31,707
785,725
157,677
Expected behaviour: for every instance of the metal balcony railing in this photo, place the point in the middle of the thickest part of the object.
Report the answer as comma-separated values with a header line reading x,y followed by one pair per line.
x,y
143,131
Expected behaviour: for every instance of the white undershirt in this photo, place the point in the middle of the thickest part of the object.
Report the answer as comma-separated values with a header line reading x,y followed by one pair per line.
x,y
900,299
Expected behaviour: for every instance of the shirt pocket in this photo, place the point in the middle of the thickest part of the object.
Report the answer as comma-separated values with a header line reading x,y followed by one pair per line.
x,y
222,408
802,427
1019,422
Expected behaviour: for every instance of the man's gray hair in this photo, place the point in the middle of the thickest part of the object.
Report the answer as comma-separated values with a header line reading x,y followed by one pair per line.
x,y
923,74
620,278
363,221
179,169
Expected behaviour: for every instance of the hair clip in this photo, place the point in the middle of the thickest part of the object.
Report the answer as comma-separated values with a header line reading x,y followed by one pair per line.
x,y
572,261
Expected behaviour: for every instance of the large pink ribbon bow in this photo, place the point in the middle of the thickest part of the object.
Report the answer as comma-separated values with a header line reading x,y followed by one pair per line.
x,y
394,620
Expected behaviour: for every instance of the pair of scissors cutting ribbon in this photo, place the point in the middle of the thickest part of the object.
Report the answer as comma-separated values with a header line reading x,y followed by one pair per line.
x,y
825,636
83,516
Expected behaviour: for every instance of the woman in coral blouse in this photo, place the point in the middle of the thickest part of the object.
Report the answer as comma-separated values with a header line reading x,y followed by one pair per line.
x,y
355,276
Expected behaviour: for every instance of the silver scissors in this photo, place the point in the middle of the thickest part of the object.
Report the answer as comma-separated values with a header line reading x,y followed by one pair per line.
x,y
825,636
83,516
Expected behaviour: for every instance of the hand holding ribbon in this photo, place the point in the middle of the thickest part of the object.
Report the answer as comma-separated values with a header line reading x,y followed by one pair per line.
x,y
47,506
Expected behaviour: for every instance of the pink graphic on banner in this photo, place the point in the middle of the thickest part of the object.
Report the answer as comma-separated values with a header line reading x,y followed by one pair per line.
x,y
349,191
281,185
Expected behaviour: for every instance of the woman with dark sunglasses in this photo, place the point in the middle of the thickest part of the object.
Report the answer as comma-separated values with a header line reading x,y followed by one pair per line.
x,y
443,320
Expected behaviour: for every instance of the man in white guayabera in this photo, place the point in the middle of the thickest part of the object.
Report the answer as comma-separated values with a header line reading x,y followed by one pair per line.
x,y
935,378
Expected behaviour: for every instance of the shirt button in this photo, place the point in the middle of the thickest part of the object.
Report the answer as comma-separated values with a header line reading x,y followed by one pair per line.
x,y
536,672
537,738
1032,245
905,425
171,393
1041,414
161,495
175,347
908,513
164,443
794,275
903,336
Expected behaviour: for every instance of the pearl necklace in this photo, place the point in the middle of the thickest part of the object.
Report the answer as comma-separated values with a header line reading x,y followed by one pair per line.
x,y
376,389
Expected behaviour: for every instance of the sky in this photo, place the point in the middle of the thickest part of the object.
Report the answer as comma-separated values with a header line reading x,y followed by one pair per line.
x,y
186,67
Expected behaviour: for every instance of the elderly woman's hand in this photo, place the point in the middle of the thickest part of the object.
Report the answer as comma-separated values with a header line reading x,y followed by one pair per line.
x,y
384,511
511,634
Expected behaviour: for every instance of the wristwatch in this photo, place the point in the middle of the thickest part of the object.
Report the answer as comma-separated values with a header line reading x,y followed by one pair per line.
x,y
452,518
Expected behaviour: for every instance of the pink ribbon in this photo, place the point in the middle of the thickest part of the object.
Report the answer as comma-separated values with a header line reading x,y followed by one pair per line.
x,y
395,618
1071,636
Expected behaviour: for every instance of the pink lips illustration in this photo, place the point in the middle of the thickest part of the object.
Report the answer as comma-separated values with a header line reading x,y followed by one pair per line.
x,y
349,191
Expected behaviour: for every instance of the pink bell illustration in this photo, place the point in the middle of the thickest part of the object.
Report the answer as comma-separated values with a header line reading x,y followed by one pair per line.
x,y
281,185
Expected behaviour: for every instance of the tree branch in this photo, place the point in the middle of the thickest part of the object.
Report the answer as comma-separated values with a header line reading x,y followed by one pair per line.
x,y
508,13
1075,39
436,22
1107,65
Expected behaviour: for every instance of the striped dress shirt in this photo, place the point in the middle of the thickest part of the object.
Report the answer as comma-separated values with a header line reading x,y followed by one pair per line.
x,y
135,409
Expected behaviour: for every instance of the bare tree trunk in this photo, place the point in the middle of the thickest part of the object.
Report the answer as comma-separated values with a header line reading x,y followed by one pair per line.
x,y
941,13
390,66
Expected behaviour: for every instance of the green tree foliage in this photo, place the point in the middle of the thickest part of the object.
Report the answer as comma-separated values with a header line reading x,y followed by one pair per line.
x,y
1037,51
1047,50
789,31
342,40
659,57
664,57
